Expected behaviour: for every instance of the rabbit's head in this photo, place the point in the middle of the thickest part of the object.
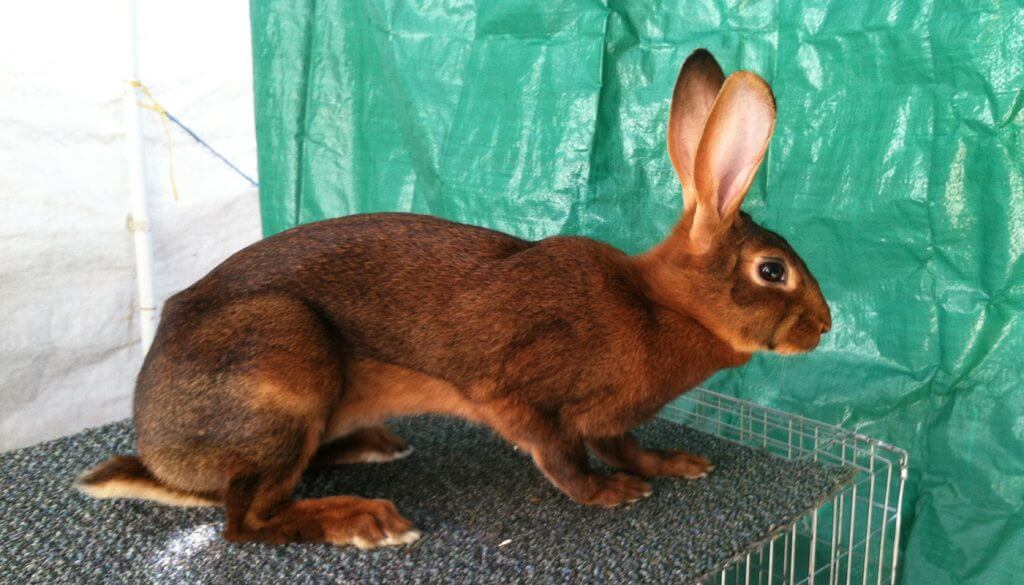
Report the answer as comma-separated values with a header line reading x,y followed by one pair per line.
x,y
738,279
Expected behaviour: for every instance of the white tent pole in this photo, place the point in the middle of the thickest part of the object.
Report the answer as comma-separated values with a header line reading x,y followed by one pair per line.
x,y
138,221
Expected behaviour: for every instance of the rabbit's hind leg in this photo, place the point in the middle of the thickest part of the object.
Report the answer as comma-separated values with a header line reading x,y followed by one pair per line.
x,y
235,400
296,373
259,507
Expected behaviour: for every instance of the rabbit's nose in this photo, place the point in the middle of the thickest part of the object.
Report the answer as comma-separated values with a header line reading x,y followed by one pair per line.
x,y
825,317
826,321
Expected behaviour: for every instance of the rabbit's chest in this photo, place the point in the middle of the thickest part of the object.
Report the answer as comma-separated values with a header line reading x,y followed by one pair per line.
x,y
635,390
613,410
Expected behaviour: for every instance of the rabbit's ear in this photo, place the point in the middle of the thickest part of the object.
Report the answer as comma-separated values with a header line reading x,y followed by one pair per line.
x,y
696,88
733,144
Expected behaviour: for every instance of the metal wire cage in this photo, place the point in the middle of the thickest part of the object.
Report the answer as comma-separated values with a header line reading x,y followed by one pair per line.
x,y
852,538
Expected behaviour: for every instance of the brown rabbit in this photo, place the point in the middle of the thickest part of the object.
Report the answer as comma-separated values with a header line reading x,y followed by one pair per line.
x,y
298,348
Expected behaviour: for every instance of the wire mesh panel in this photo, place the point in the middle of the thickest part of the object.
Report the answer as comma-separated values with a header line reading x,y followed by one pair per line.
x,y
853,538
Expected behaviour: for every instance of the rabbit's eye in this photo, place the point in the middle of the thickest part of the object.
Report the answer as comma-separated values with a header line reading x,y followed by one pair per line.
x,y
772,271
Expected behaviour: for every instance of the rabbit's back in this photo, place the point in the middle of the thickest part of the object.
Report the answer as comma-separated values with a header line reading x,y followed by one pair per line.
x,y
395,283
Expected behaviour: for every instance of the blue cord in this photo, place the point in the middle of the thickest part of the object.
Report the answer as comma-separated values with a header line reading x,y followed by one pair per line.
x,y
195,136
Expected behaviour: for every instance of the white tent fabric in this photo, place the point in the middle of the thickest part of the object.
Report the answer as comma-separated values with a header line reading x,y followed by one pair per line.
x,y
69,334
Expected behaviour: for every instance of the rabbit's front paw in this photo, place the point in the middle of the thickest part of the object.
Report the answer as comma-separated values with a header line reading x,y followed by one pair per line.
x,y
369,445
682,464
617,489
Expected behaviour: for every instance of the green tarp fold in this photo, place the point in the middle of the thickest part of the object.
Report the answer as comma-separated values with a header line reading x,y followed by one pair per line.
x,y
897,170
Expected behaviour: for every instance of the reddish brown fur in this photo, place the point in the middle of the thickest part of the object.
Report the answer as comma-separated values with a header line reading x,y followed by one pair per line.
x,y
328,329
365,445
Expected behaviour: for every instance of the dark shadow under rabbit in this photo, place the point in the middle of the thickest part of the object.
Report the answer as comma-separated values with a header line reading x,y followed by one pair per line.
x,y
297,349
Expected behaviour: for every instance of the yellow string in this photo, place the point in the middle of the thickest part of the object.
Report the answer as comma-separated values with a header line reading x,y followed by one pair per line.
x,y
154,106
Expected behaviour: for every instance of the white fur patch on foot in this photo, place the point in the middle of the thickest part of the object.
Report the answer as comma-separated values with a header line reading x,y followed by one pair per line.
x,y
364,544
646,494
378,457
407,537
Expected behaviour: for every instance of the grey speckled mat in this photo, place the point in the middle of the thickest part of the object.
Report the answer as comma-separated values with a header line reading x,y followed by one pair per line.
x,y
486,513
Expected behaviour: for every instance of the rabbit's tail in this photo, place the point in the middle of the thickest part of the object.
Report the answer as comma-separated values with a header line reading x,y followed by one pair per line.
x,y
126,477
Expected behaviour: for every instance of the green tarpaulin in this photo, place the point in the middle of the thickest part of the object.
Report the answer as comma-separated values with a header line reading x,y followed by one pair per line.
x,y
896,170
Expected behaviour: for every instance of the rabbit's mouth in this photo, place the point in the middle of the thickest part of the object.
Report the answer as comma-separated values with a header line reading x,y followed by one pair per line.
x,y
793,335
789,348
782,326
